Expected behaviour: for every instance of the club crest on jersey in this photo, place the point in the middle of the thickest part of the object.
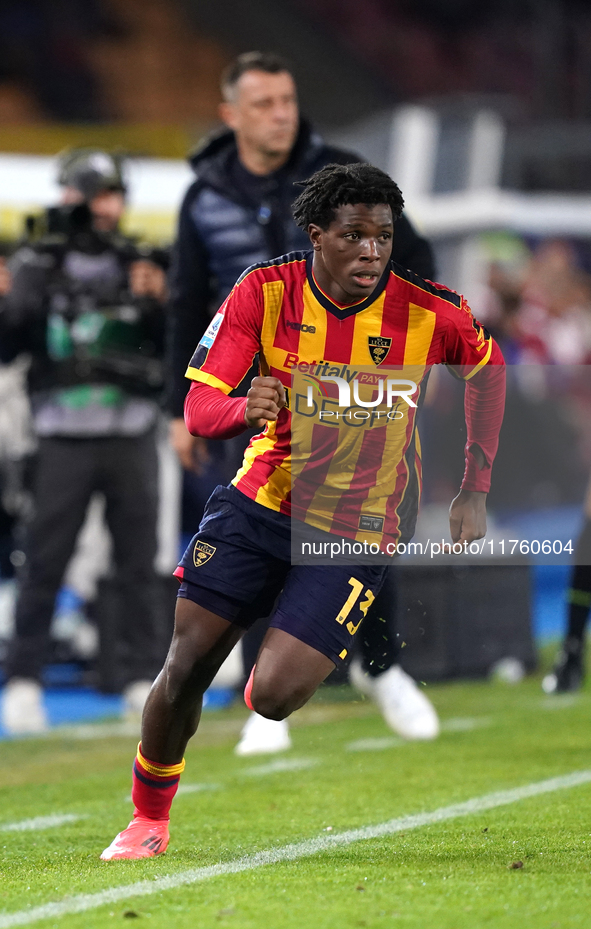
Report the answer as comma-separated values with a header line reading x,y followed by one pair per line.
x,y
379,346
202,553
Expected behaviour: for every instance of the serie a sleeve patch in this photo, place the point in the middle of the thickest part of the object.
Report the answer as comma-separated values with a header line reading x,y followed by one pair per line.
x,y
210,334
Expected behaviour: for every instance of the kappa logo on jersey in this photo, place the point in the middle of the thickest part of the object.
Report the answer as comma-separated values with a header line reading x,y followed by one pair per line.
x,y
301,327
379,346
202,553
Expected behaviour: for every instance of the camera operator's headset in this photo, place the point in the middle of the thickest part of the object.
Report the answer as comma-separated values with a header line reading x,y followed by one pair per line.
x,y
91,170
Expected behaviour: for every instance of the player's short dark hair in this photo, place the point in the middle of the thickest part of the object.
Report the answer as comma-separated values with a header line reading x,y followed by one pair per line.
x,y
338,185
269,62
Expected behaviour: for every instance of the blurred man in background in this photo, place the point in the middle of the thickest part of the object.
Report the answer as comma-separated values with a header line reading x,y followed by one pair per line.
x,y
89,311
235,214
15,444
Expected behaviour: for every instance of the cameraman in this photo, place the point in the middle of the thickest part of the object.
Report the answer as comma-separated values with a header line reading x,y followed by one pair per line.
x,y
87,308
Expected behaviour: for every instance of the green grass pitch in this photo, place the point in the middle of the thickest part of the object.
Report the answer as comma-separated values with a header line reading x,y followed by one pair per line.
x,y
346,771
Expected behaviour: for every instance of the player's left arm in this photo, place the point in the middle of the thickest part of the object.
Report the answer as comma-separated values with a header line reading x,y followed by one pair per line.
x,y
476,357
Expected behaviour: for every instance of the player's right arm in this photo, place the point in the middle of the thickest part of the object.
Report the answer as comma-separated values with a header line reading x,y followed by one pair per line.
x,y
264,401
209,413
221,361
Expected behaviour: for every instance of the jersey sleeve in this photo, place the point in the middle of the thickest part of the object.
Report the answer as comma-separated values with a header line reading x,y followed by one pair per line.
x,y
468,345
473,355
212,415
226,351
484,405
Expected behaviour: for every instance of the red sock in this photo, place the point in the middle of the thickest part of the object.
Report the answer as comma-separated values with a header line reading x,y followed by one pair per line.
x,y
248,690
154,786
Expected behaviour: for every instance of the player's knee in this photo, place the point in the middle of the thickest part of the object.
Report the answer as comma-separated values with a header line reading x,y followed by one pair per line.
x,y
180,683
275,700
268,706
190,664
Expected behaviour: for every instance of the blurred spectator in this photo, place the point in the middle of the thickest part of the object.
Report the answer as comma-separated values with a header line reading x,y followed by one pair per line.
x,y
541,309
537,304
16,443
553,327
88,310
541,313
553,321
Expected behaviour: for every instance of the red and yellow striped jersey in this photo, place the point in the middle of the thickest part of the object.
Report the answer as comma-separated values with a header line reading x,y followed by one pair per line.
x,y
277,309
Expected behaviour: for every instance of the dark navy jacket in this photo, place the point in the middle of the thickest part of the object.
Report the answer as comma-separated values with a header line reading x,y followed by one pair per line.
x,y
230,220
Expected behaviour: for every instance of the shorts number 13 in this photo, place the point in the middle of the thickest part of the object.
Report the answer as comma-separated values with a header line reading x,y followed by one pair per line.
x,y
350,603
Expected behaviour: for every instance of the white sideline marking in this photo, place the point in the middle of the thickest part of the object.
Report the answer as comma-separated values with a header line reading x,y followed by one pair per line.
x,y
282,764
465,723
375,745
40,822
90,731
455,724
85,902
196,788
560,701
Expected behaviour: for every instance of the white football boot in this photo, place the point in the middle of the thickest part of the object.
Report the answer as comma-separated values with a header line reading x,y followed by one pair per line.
x,y
405,708
23,712
261,736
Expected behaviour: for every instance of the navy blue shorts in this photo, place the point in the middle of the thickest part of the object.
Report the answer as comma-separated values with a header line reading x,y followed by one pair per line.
x,y
238,566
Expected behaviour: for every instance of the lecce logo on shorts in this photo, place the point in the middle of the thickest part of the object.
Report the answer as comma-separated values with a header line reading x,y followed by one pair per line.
x,y
202,553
